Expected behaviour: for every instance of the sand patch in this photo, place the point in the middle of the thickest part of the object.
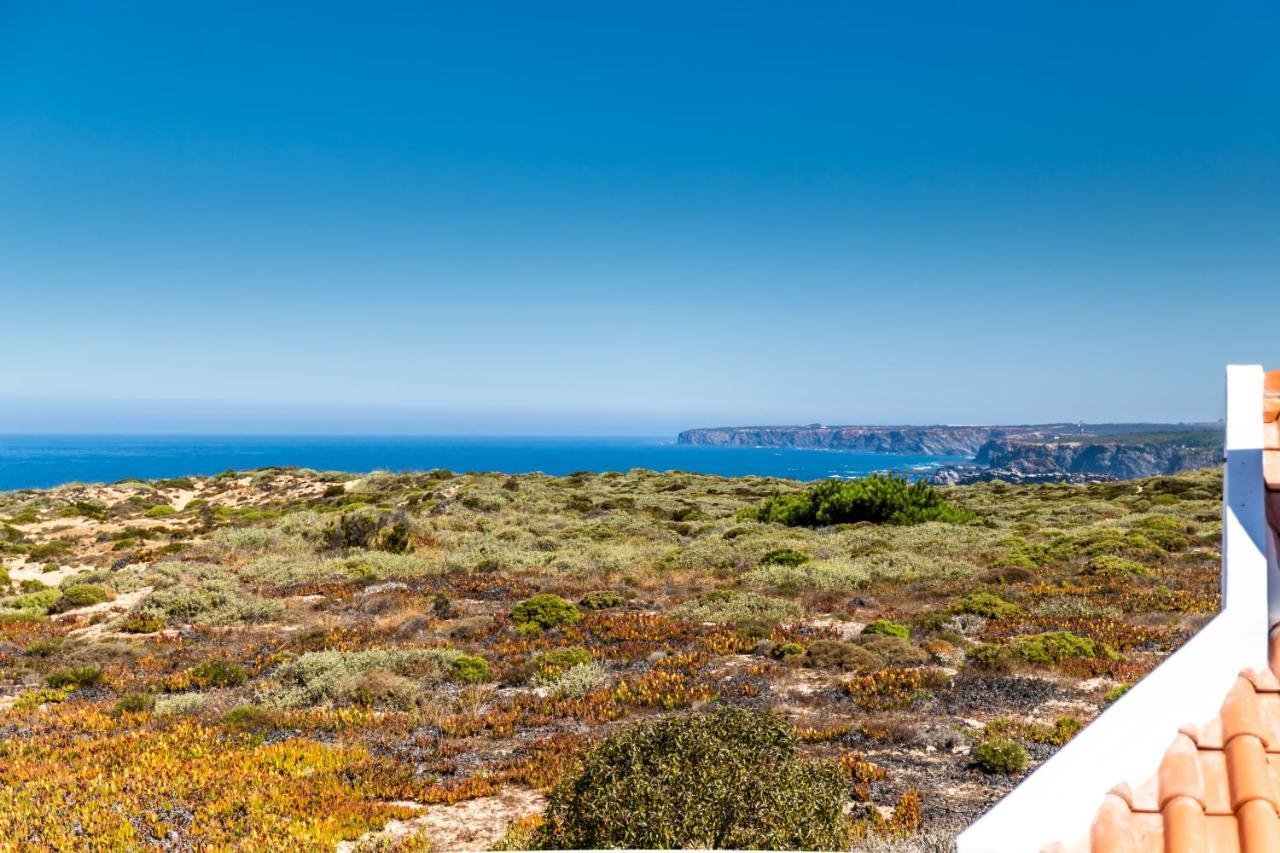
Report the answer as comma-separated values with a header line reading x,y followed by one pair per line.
x,y
472,825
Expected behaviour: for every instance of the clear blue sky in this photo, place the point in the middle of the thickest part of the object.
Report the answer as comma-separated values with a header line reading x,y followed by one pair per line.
x,y
632,218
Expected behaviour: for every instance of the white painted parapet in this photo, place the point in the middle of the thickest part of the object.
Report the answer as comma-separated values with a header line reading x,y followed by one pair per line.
x,y
1126,742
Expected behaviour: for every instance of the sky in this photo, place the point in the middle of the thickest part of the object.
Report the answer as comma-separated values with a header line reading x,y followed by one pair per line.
x,y
632,218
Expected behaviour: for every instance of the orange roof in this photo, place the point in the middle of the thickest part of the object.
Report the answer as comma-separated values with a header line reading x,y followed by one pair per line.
x,y
1218,786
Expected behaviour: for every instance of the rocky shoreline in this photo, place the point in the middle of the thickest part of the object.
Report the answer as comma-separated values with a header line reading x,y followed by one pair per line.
x,y
1045,453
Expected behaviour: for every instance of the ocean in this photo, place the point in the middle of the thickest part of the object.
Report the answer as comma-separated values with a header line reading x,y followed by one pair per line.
x,y
38,461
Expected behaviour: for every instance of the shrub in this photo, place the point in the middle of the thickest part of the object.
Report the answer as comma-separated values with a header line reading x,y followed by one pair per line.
x,y
470,669
1000,755
783,557
75,677
376,687
835,576
160,511
218,673
1045,649
880,498
894,651
787,650
371,530
730,607
834,654
986,604
557,661
320,677
887,628
578,680
546,610
728,780
203,594
601,599
43,648
39,696
79,595
179,704
136,703
246,718
142,623
1108,566
36,603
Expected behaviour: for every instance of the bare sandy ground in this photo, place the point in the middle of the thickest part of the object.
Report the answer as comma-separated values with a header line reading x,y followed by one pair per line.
x,y
472,825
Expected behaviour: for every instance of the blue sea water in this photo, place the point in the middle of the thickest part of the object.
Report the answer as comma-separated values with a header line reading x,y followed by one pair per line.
x,y
37,461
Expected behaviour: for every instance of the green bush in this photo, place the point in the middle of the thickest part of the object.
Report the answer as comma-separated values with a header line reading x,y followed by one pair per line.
x,y
887,628
986,604
142,623
37,603
470,669
79,595
880,498
136,703
43,648
218,673
160,511
558,660
546,610
74,677
783,557
727,780
601,599
783,651
247,718
835,654
371,530
1107,566
1045,649
734,608
1000,755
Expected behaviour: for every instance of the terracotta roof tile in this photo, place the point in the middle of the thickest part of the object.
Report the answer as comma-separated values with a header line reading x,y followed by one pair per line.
x,y
1271,468
1217,789
1271,395
1240,712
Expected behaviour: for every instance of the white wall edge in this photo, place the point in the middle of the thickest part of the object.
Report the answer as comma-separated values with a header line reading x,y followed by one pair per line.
x,y
1126,742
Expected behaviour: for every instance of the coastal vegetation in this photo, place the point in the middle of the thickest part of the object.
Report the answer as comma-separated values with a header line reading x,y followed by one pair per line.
x,y
291,659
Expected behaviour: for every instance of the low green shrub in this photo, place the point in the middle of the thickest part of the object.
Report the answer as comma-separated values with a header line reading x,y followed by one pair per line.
x,y
1000,755
1047,649
1108,566
79,595
732,607
470,669
601,599
43,648
880,499
986,604
371,530
218,673
782,651
558,660
75,677
727,780
887,628
546,610
136,703
160,511
783,557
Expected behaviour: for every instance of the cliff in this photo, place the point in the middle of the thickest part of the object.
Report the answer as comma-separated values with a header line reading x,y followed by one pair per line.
x,y
1030,453
924,440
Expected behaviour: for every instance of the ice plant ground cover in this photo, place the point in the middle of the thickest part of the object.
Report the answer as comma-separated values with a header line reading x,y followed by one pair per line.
x,y
286,658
